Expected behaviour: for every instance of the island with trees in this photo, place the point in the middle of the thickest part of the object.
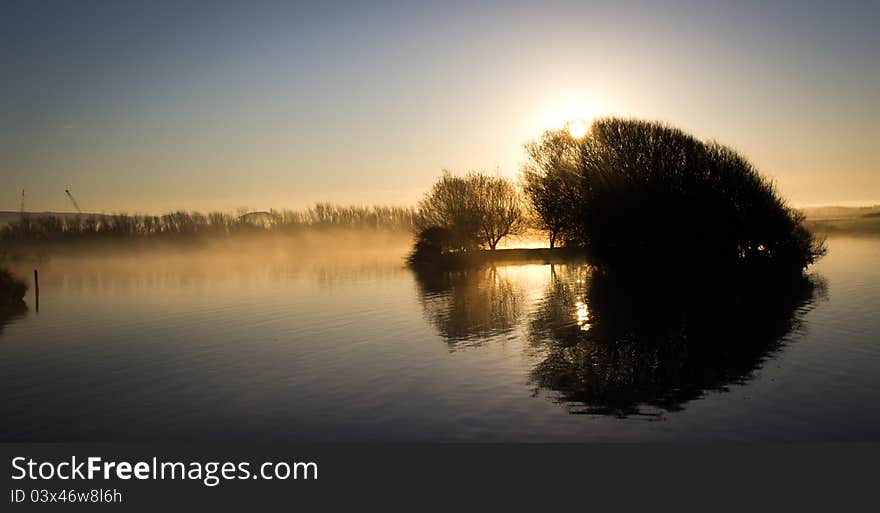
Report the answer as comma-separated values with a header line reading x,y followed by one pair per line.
x,y
629,194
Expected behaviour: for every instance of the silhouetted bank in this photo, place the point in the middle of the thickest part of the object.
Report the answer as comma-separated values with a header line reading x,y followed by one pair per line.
x,y
12,289
481,258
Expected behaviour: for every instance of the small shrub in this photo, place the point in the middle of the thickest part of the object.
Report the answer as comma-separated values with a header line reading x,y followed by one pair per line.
x,y
432,243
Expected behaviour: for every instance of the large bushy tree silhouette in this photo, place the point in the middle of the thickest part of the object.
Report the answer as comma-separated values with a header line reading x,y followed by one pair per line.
x,y
635,192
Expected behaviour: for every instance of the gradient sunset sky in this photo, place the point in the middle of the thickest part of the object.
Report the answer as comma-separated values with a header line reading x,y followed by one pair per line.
x,y
151,106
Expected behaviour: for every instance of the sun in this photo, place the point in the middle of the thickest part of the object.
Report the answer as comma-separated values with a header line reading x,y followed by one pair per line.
x,y
577,128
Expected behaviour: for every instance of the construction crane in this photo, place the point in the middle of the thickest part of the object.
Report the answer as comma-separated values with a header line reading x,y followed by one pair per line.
x,y
72,200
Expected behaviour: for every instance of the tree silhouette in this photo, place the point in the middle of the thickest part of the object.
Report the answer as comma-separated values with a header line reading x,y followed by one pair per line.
x,y
638,193
479,210
187,225
549,181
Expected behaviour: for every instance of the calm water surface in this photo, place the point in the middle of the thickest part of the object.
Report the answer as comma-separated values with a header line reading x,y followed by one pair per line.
x,y
208,346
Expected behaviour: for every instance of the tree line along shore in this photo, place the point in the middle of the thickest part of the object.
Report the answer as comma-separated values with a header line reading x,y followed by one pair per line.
x,y
28,228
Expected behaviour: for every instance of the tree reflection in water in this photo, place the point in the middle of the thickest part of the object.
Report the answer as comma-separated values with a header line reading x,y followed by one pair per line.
x,y
9,313
638,347
622,347
468,306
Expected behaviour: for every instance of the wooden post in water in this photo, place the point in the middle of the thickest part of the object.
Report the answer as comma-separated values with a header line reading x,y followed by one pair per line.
x,y
36,290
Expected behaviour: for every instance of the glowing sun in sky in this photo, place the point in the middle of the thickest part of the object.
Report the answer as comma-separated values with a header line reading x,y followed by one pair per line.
x,y
577,128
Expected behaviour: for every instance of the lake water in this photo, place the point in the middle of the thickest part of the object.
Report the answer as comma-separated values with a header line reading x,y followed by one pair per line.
x,y
199,345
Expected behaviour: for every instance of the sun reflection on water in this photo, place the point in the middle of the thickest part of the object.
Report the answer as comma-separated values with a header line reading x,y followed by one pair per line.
x,y
583,315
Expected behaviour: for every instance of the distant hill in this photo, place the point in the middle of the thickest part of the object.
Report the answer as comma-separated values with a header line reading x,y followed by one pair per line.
x,y
864,221
833,212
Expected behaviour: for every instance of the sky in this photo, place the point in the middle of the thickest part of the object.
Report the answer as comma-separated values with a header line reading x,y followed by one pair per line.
x,y
155,106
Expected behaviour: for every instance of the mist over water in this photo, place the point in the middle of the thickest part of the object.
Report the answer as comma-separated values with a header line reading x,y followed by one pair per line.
x,y
334,339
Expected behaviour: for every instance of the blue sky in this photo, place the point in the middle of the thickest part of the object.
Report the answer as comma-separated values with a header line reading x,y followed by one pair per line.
x,y
150,106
